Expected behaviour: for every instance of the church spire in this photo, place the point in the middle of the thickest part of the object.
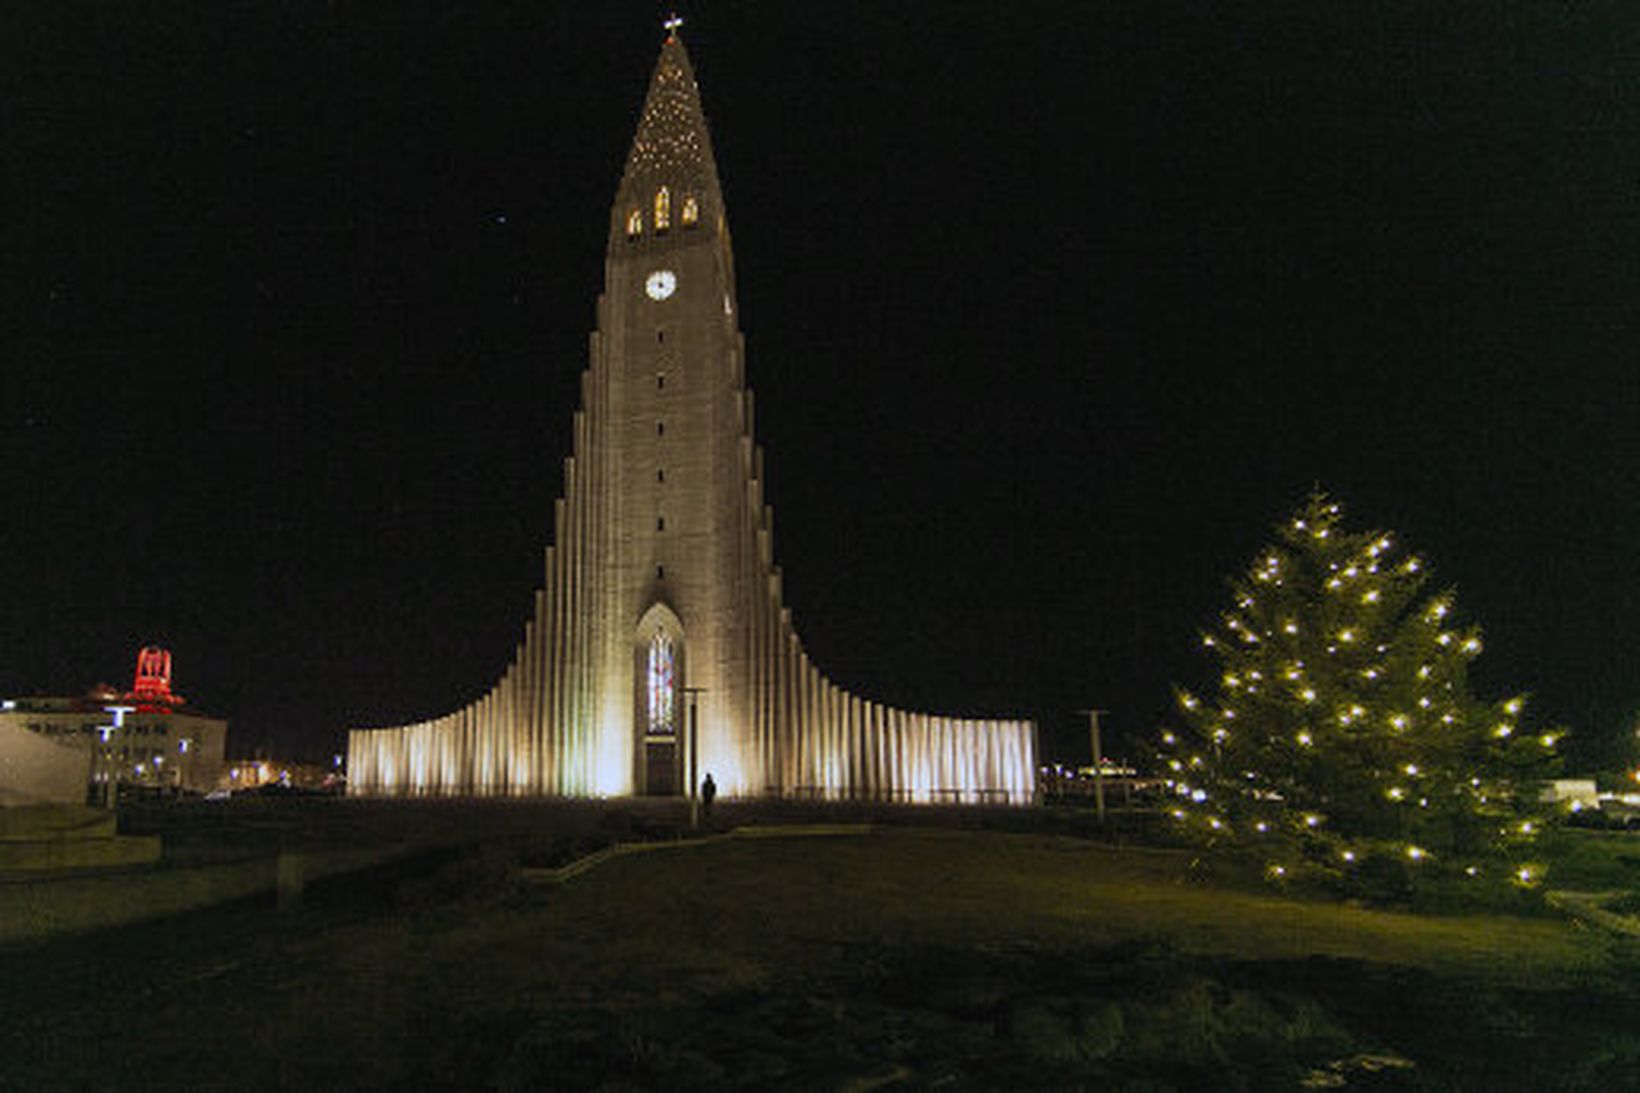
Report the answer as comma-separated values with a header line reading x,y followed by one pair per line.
x,y
671,179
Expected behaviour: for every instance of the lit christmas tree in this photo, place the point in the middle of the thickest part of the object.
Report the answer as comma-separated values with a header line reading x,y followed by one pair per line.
x,y
1341,736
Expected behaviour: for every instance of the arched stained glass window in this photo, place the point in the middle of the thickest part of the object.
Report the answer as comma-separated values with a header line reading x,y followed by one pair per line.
x,y
691,211
634,224
663,209
662,684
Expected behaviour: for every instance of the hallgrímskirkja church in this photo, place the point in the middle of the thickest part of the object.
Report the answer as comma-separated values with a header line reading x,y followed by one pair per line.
x,y
659,649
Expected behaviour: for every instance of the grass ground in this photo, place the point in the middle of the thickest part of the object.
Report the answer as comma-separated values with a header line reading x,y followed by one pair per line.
x,y
904,959
1590,860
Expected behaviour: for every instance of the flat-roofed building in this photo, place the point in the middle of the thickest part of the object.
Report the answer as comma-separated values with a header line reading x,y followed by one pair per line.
x,y
147,736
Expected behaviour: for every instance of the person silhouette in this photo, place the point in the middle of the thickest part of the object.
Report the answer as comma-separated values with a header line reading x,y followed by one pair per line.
x,y
708,790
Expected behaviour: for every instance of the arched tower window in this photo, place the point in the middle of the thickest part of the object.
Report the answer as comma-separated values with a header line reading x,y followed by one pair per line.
x,y
691,211
661,684
634,224
663,209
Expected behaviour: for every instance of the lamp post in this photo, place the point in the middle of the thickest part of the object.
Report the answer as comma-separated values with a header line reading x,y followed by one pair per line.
x,y
106,733
691,756
1098,763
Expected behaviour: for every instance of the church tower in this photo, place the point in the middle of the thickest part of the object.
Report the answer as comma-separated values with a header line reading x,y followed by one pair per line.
x,y
668,333
659,643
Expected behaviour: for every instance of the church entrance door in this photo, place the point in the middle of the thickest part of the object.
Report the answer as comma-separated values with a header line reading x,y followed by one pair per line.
x,y
661,768
659,662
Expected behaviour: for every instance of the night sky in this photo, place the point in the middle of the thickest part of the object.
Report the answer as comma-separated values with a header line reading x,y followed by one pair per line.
x,y
1052,311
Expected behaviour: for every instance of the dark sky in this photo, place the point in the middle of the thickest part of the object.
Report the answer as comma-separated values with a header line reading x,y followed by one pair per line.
x,y
1052,311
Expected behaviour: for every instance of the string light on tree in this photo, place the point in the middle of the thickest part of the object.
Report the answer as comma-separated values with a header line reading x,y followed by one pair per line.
x,y
1318,770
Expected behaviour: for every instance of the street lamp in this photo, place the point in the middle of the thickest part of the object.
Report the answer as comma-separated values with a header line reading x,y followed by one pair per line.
x,y
1098,762
105,734
691,756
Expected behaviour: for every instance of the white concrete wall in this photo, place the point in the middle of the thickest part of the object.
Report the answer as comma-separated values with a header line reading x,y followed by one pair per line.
x,y
35,770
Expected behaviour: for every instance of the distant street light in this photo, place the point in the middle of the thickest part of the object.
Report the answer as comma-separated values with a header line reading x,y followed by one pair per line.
x,y
111,768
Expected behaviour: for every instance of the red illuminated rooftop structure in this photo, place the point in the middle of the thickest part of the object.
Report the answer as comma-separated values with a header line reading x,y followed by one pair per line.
x,y
151,690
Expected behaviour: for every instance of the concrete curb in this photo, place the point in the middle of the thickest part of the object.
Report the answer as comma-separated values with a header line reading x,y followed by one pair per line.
x,y
752,831
1587,906
45,905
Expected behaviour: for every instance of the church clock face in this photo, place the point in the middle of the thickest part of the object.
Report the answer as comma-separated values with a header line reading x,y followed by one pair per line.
x,y
661,284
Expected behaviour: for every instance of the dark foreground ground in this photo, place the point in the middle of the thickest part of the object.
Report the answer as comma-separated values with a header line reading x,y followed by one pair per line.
x,y
904,959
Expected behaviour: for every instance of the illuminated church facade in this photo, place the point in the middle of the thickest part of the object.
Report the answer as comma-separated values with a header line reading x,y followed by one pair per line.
x,y
659,648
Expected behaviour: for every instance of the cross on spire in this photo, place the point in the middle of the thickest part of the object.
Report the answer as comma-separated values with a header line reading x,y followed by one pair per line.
x,y
673,22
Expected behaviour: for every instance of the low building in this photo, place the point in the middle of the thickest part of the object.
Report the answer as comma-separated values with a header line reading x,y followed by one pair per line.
x,y
147,736
249,774
1575,794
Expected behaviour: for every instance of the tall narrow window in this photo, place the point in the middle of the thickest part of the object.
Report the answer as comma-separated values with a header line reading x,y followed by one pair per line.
x,y
634,224
662,683
691,211
663,209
